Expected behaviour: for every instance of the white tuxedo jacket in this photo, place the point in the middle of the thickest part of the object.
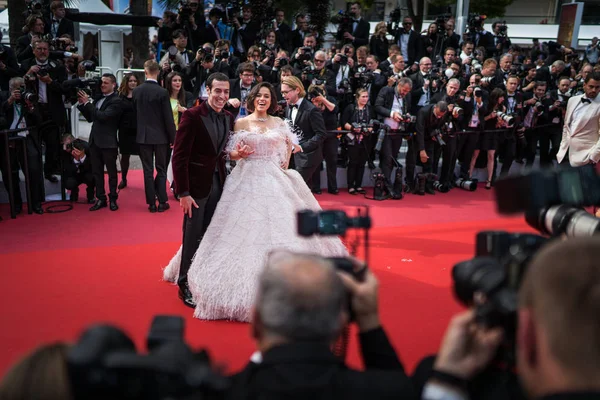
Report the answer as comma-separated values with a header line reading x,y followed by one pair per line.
x,y
581,137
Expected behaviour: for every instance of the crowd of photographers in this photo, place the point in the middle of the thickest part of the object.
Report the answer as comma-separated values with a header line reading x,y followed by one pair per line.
x,y
473,98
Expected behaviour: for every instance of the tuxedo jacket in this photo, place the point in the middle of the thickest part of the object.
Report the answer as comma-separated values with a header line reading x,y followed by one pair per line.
x,y
308,370
361,33
312,126
65,26
105,121
385,101
197,152
24,50
235,92
155,124
284,37
54,90
581,137
297,39
414,46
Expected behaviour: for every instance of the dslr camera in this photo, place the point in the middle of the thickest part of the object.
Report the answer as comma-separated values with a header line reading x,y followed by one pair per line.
x,y
27,96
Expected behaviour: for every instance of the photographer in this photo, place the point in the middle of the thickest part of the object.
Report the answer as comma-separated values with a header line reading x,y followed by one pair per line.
x,y
557,339
35,27
225,62
9,67
300,309
246,31
358,141
186,21
20,111
240,88
429,123
58,25
422,86
200,69
507,142
370,77
45,77
77,168
592,52
317,94
535,119
556,118
393,105
283,31
550,74
452,38
501,40
409,42
104,115
359,33
302,55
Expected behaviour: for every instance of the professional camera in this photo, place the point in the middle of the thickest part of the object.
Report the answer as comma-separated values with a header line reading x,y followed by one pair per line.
x,y
437,134
490,282
488,79
362,128
173,65
185,11
508,119
344,88
315,92
306,55
475,24
562,219
41,7
466,184
477,91
440,187
104,363
206,55
502,28
88,65
476,65
90,86
26,95
538,189
329,222
344,20
459,111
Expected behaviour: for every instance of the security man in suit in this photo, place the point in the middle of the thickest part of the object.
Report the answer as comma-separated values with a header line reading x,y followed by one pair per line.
x,y
104,114
360,28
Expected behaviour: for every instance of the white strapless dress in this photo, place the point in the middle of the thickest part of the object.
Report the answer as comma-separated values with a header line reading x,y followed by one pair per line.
x,y
256,214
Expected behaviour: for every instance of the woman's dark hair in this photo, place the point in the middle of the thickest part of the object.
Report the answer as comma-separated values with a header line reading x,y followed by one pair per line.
x,y
254,93
169,86
494,96
124,86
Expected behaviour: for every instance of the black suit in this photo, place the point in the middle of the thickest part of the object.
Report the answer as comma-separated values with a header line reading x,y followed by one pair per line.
x,y
34,156
417,91
77,173
210,36
297,38
65,26
284,37
155,132
53,110
12,67
452,41
103,141
361,33
310,122
414,46
486,39
24,50
235,92
308,370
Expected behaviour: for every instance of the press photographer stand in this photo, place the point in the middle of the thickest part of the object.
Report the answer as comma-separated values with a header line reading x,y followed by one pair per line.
x,y
16,139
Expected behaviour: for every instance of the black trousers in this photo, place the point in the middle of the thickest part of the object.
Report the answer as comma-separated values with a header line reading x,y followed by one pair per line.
x,y
34,163
448,159
155,187
412,155
50,135
430,148
306,169
507,148
532,136
357,157
550,138
72,183
465,146
100,158
195,227
389,154
330,153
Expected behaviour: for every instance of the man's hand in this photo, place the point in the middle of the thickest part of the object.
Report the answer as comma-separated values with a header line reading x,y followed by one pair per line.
x,y
348,35
46,79
396,116
364,303
186,203
234,103
423,156
467,347
14,96
82,97
33,70
77,154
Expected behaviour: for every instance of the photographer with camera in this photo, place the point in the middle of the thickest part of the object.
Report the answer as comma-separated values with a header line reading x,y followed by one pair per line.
x,y
535,120
9,66
393,106
225,62
409,42
428,136
300,309
25,45
556,118
317,70
550,74
77,167
556,336
358,34
20,111
452,39
501,40
302,55
200,69
356,118
245,33
57,25
317,94
45,77
190,19
507,142
104,115
592,51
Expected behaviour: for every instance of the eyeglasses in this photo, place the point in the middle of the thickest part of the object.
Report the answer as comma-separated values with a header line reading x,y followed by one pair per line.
x,y
284,92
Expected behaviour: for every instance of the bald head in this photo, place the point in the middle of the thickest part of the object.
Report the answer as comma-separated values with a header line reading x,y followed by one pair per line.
x,y
425,65
300,297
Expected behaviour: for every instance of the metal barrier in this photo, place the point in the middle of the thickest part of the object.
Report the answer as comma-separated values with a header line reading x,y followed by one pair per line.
x,y
110,71
121,71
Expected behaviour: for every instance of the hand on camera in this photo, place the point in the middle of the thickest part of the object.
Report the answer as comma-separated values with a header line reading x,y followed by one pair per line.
x,y
77,154
82,97
348,35
364,297
467,348
14,96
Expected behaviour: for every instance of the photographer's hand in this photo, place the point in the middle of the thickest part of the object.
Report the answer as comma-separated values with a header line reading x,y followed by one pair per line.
x,y
82,97
14,96
423,156
467,347
365,303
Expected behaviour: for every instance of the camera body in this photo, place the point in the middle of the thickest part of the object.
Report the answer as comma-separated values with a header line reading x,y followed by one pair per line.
x,y
27,96
307,54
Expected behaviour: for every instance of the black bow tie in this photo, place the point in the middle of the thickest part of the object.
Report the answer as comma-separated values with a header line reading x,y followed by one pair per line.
x,y
357,20
586,101
293,105
245,88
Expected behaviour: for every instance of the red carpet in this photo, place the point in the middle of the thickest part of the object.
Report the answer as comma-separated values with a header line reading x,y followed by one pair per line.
x,y
59,273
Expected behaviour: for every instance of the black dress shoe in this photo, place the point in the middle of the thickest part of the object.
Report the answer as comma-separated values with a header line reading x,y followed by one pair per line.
x,y
113,205
38,209
18,208
91,200
186,296
99,204
318,191
162,207
334,191
122,184
152,208
51,178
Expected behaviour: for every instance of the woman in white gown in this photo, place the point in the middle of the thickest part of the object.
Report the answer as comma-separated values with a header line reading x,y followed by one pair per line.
x,y
256,214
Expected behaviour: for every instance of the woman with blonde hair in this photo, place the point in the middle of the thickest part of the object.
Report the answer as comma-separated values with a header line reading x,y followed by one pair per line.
x,y
379,44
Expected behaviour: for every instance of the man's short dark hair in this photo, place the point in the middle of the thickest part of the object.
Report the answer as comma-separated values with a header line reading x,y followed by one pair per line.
x,y
357,3
217,76
595,75
177,33
442,106
540,83
246,67
110,76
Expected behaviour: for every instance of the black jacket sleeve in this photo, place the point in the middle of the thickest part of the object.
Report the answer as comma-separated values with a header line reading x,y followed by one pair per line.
x,y
318,127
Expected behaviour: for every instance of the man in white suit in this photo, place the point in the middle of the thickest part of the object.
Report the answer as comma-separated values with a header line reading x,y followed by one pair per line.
x,y
580,143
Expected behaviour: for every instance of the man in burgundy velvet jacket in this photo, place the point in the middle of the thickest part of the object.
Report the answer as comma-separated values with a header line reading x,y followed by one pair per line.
x,y
199,169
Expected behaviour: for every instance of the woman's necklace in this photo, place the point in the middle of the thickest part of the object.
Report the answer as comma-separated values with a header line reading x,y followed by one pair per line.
x,y
262,119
